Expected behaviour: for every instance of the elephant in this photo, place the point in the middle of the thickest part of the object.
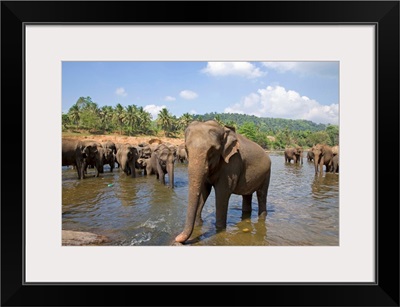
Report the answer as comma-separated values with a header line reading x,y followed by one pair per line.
x,y
295,154
146,150
335,164
127,156
95,156
322,156
310,155
162,162
75,153
110,145
109,158
143,164
219,157
181,153
335,150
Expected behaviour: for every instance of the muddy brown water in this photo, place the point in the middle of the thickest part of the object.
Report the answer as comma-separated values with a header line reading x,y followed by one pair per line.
x,y
303,209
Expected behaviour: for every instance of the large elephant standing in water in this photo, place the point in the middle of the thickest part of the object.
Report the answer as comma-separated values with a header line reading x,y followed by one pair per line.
x,y
322,156
95,156
76,153
126,157
110,150
310,155
295,154
162,162
219,157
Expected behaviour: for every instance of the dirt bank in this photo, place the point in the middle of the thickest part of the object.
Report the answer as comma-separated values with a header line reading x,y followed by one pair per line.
x,y
125,139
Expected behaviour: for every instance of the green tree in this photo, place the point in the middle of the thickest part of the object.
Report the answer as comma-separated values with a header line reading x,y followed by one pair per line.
x,y
65,120
165,121
333,132
106,116
74,114
144,120
119,114
90,116
283,138
249,130
184,121
319,137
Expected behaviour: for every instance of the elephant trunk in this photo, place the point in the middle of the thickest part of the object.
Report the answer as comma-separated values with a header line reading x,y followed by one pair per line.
x,y
170,170
316,162
196,181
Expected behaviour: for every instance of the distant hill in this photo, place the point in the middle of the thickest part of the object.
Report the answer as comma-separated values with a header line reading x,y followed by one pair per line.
x,y
266,124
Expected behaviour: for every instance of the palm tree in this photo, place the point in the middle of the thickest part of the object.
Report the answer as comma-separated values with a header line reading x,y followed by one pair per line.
x,y
164,120
106,115
130,118
119,116
74,114
185,120
144,120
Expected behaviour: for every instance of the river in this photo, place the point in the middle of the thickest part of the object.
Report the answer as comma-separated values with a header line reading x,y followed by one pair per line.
x,y
303,209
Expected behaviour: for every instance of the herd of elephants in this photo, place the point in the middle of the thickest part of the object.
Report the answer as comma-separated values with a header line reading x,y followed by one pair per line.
x,y
217,157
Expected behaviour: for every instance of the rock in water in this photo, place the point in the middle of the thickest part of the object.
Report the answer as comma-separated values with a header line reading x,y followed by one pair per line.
x,y
79,238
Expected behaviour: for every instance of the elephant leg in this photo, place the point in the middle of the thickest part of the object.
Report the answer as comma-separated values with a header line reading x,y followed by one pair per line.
x,y
79,170
321,165
204,193
132,169
161,173
246,203
262,196
83,166
222,195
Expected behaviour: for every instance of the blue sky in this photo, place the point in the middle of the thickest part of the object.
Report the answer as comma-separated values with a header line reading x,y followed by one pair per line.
x,y
293,90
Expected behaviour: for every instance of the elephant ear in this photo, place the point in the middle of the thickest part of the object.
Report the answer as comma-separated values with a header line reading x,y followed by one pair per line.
x,y
231,144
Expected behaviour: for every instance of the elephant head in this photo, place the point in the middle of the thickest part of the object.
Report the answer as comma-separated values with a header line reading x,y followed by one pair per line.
x,y
165,156
298,151
317,151
208,145
93,153
322,156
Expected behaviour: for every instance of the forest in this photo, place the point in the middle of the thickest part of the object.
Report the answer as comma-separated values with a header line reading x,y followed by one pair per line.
x,y
131,120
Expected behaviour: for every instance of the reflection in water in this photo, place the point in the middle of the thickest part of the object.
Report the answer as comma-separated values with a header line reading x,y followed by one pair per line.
x,y
303,209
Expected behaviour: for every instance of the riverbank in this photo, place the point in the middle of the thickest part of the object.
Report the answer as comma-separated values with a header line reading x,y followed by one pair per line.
x,y
123,139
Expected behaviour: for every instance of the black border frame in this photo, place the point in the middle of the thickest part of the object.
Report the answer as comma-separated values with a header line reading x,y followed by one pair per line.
x,y
15,14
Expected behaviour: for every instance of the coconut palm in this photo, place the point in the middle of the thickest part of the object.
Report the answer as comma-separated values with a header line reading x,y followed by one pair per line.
x,y
119,116
74,114
185,120
165,121
144,120
106,115
130,118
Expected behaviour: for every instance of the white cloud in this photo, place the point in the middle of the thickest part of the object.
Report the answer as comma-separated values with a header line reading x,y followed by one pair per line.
x,y
193,112
276,101
243,69
153,109
186,94
121,92
169,98
327,69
